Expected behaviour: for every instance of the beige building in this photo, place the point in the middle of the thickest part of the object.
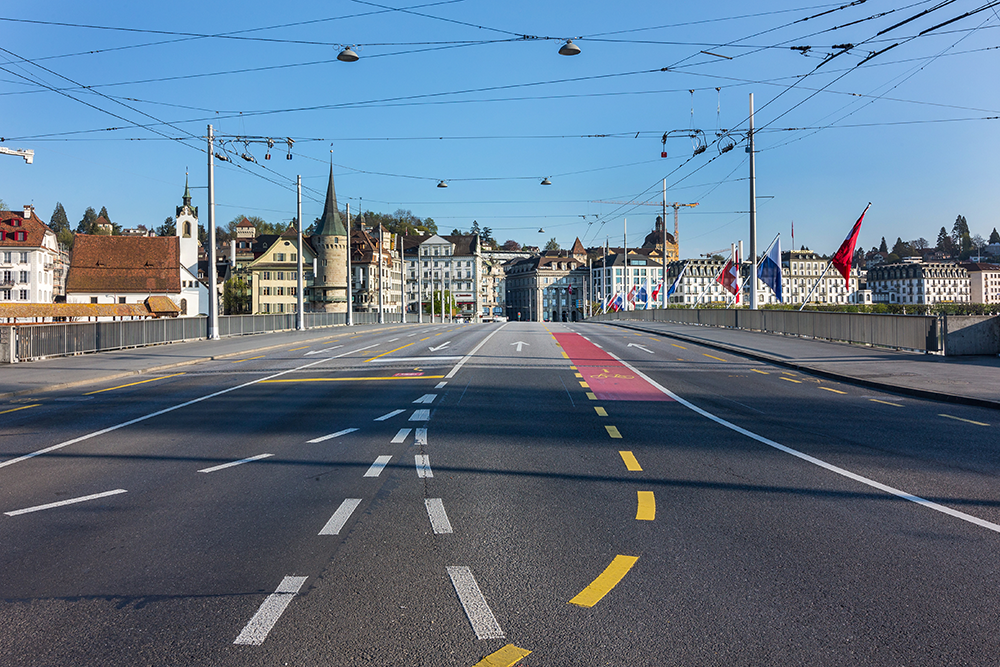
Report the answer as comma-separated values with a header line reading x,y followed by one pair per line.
x,y
366,281
329,290
984,280
551,287
274,275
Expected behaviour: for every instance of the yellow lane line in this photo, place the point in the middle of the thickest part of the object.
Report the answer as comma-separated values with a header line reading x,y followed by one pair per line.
x,y
385,377
508,656
378,356
240,361
790,380
875,400
646,510
836,391
132,384
761,372
607,580
578,375
711,357
680,346
565,355
573,368
967,421
23,407
788,372
423,339
630,462
601,412
584,384
591,395
613,431
298,348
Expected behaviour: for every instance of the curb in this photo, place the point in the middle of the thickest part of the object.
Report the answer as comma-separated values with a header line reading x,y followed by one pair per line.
x,y
848,379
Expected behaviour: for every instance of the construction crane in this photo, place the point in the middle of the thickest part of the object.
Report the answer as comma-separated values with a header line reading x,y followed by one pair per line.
x,y
712,253
675,205
27,153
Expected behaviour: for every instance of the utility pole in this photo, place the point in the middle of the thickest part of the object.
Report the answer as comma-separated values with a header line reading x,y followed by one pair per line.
x,y
753,217
350,271
420,287
213,297
300,320
381,302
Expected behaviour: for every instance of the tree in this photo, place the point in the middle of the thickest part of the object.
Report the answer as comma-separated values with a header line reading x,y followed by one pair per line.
x,y
901,249
59,221
551,244
402,222
960,237
919,244
883,247
457,232
994,237
168,228
88,224
236,297
512,245
944,243
486,235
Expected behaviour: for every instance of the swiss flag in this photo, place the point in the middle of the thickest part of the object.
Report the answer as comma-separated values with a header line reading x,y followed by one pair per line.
x,y
730,276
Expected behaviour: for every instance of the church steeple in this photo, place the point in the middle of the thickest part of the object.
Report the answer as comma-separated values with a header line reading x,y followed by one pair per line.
x,y
187,192
186,207
331,224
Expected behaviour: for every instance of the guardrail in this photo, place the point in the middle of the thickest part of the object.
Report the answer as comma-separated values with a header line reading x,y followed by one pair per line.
x,y
28,342
909,332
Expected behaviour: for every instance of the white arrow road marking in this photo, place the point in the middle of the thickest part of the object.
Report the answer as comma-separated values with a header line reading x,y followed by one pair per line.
x,y
641,347
440,347
423,463
426,398
236,463
340,517
71,501
439,518
260,625
389,415
333,435
476,609
520,344
376,468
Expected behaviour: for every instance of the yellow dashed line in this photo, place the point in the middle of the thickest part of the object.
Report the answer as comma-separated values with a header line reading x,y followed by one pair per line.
x,y
578,375
601,412
298,348
132,384
584,384
711,357
680,346
967,421
240,361
613,431
573,368
508,656
377,356
591,395
630,463
23,407
761,372
836,391
607,580
646,510
791,380
895,405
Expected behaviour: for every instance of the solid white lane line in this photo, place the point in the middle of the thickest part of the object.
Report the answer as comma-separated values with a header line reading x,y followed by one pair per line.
x,y
426,398
440,385
376,468
71,501
411,335
164,411
484,623
389,415
332,435
815,461
392,340
454,370
439,519
420,437
423,463
400,436
236,463
270,611
340,517
420,416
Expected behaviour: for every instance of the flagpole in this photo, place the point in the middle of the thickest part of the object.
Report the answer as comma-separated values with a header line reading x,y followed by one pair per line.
x,y
764,254
753,216
823,275
709,286
625,252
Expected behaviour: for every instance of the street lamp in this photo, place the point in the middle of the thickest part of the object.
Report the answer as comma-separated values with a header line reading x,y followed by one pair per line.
x,y
569,49
348,55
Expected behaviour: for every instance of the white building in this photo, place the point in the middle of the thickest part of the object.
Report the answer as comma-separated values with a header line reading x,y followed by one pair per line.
x,y
29,258
919,283
800,275
985,281
611,275
451,265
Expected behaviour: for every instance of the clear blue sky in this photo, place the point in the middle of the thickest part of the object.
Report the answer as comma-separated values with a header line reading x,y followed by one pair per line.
x,y
452,90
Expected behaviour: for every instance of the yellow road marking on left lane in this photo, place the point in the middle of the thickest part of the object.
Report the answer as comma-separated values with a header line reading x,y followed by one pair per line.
x,y
132,384
240,361
23,407
601,412
613,431
508,656
836,391
790,379
298,348
761,372
631,464
967,421
607,580
646,510
711,357
378,356
384,377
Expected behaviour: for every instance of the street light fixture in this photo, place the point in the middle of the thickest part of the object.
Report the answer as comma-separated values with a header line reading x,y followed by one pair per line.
x,y
348,55
546,181
569,49
442,184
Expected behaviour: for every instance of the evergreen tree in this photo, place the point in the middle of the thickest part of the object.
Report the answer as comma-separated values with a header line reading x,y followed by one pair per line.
x,y
88,224
551,244
59,221
883,247
901,249
994,237
168,228
944,242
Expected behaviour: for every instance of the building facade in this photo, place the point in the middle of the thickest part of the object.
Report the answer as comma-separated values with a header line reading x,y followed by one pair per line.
x,y
551,287
329,290
984,280
801,271
919,283
612,276
371,277
31,267
444,271
274,276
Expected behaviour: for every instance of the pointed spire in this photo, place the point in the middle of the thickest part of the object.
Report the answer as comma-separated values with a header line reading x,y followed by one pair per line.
x,y
331,224
187,191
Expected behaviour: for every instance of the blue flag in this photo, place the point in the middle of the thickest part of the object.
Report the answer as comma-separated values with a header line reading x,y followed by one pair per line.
x,y
769,270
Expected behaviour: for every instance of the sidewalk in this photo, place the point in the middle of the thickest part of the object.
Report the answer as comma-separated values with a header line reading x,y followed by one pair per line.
x,y
965,380
33,377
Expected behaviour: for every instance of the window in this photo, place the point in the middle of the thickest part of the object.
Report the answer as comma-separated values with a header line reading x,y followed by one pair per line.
x,y
6,258
121,299
279,291
265,275
24,295
279,257
93,299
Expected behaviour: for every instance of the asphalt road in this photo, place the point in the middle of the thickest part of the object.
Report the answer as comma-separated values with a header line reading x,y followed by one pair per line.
x,y
561,494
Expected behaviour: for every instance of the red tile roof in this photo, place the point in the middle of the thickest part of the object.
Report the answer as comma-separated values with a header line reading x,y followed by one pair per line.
x,y
12,222
124,264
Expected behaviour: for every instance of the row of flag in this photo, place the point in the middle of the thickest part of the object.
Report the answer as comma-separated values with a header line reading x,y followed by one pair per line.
x,y
768,271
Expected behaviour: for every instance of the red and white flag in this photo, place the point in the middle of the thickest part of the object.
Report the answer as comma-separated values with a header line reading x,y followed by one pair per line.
x,y
729,278
842,258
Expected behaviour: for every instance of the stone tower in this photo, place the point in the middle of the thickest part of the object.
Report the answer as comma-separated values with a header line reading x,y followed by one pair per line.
x,y
329,291
187,230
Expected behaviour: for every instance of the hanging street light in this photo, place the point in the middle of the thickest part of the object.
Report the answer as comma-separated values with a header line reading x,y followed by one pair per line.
x,y
546,181
442,184
348,55
569,49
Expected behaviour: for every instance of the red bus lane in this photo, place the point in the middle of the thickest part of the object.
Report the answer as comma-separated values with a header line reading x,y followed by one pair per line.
x,y
607,378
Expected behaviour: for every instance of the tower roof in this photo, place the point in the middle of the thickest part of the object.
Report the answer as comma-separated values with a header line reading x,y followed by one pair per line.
x,y
331,224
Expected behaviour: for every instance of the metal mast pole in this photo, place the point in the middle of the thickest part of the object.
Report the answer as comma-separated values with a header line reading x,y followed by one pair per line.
x,y
300,321
213,296
350,271
381,302
663,280
402,283
753,218
628,279
420,287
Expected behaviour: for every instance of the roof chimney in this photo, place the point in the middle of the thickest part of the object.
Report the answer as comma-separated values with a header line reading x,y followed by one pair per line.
x,y
27,211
